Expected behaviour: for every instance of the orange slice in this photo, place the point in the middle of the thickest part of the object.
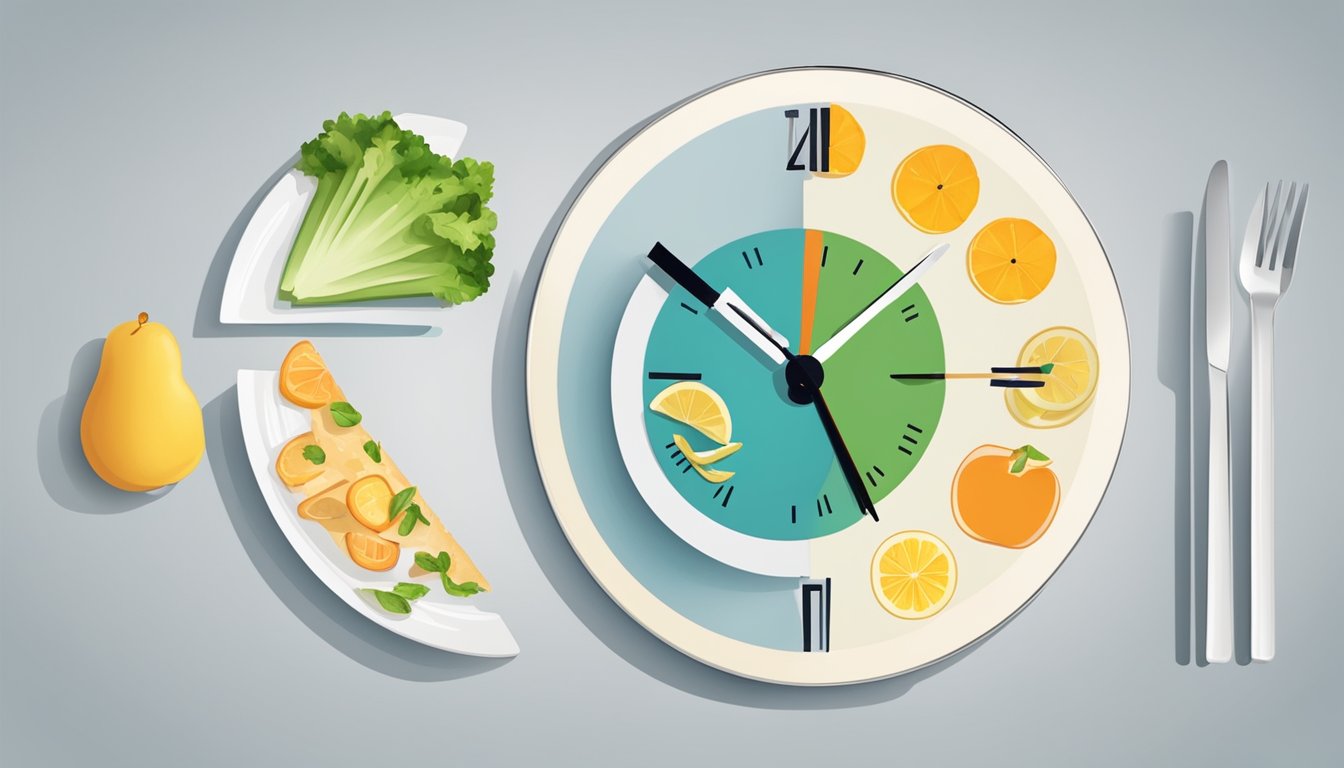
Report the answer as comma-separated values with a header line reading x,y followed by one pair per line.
x,y
936,188
847,142
369,501
1010,261
292,466
372,552
304,378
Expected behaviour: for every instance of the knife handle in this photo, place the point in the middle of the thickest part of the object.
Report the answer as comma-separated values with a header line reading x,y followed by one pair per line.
x,y
1218,635
1262,484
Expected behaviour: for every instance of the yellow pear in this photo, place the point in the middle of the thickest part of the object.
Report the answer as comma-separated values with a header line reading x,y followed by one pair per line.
x,y
142,427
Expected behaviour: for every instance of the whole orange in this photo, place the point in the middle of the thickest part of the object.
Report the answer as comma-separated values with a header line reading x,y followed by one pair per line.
x,y
996,505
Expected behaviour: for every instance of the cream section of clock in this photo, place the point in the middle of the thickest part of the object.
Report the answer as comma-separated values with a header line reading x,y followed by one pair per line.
x,y
977,334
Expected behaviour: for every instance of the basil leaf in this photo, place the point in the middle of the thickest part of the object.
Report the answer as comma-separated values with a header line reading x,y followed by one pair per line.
x,y
459,590
410,590
408,522
427,562
1019,464
390,601
1048,367
344,414
400,502
445,562
314,453
375,451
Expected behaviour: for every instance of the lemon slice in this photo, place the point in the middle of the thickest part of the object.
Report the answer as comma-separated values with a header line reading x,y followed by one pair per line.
x,y
704,458
696,406
914,574
713,475
1073,378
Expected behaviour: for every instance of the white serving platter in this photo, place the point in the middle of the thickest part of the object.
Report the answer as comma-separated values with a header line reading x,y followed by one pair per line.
x,y
436,620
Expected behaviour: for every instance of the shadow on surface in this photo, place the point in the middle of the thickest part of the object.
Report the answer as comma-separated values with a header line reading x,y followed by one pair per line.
x,y
1175,352
212,291
299,588
65,473
561,566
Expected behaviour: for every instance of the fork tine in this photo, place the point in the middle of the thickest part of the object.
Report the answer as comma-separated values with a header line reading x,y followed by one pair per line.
x,y
1270,226
1295,231
1281,232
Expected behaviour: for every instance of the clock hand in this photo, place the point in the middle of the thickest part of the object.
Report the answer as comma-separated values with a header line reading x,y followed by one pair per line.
x,y
886,299
804,376
726,303
1017,377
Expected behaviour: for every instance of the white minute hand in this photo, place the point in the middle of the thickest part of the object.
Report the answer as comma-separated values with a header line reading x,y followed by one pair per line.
x,y
896,291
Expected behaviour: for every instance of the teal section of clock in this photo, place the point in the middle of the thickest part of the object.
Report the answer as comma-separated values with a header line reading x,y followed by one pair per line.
x,y
723,185
786,483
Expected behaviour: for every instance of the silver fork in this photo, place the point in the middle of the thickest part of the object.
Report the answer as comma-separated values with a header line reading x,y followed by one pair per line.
x,y
1268,256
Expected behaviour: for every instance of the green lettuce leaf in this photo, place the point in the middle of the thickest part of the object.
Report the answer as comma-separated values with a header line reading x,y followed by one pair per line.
x,y
390,219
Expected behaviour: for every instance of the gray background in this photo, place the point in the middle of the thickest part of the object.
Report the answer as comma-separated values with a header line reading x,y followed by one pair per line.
x,y
181,630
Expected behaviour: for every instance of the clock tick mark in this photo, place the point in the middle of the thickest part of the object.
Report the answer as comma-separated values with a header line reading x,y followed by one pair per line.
x,y
879,471
908,318
747,259
907,309
910,439
793,514
727,496
904,450
917,430
759,260
871,481
824,249
687,469
857,267
689,308
827,499
718,491
670,445
673,375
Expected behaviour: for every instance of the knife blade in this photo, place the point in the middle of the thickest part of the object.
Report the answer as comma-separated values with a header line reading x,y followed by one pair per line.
x,y
1218,338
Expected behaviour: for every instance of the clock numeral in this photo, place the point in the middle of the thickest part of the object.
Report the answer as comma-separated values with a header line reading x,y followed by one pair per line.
x,y
816,594
673,375
816,139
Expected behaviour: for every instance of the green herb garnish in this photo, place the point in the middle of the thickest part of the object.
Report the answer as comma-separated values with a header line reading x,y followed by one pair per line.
x,y
314,453
375,451
1024,454
344,414
440,565
413,516
400,598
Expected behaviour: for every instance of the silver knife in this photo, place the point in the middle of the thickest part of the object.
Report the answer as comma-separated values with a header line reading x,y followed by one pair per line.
x,y
1218,335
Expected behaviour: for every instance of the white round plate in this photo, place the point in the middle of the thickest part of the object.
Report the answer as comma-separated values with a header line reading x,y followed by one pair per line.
x,y
673,570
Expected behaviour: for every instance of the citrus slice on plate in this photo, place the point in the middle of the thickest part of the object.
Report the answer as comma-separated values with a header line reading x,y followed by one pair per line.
x,y
846,145
304,378
914,574
936,188
704,458
1010,261
372,552
369,501
696,406
298,462
1073,375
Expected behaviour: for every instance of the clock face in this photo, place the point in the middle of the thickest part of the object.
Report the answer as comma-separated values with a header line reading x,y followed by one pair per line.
x,y
827,374
786,481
